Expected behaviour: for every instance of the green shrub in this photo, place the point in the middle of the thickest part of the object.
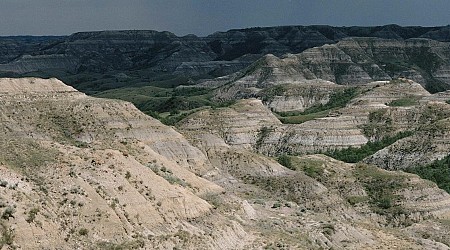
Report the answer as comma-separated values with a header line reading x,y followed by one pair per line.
x,y
262,135
175,180
285,160
7,236
83,231
126,245
311,167
353,200
273,91
328,229
313,171
32,215
301,118
214,199
174,118
276,205
8,213
338,99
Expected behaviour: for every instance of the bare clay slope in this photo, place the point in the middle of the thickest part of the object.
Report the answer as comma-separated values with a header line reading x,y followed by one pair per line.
x,y
81,172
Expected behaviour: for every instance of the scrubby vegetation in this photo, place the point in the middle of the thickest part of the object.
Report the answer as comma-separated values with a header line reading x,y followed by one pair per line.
x,y
301,118
8,213
83,231
126,245
312,168
353,155
286,161
24,154
381,186
32,215
404,102
7,236
438,172
380,123
277,90
167,175
262,135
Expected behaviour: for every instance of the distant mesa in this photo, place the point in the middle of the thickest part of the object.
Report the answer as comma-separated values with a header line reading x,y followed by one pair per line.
x,y
150,54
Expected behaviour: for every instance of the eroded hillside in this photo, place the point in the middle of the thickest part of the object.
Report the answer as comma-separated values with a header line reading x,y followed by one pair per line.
x,y
350,61
326,117
82,172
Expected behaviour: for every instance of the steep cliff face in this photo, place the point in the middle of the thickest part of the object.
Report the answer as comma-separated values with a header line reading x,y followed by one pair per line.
x,y
410,109
319,185
295,39
267,72
115,50
28,63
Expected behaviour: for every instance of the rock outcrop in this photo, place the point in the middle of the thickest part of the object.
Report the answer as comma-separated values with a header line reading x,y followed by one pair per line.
x,y
298,97
12,47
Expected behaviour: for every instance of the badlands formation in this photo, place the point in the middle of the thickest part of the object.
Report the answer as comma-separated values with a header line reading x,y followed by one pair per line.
x,y
97,61
78,172
257,169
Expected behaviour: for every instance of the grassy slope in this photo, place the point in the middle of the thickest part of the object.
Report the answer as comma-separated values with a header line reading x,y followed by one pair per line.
x,y
169,105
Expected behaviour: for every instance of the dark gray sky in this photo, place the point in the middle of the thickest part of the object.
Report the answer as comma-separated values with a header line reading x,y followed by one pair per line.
x,y
203,17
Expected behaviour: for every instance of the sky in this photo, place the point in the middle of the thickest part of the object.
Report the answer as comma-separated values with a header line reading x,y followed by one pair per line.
x,y
204,17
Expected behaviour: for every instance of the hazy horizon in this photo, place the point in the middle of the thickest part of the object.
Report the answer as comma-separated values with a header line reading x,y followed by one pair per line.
x,y
204,17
